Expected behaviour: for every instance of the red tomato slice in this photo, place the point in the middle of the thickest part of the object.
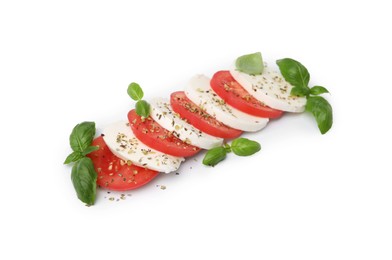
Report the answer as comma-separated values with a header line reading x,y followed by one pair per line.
x,y
199,118
235,95
153,135
116,174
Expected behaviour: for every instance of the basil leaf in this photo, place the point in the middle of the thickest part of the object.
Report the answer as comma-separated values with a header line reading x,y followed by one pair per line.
x,y
135,91
318,90
214,156
142,108
300,92
84,180
250,64
82,135
322,112
90,149
245,147
294,72
73,157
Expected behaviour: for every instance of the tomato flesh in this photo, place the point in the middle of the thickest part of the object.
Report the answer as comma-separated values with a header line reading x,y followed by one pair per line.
x,y
200,119
153,135
116,174
235,95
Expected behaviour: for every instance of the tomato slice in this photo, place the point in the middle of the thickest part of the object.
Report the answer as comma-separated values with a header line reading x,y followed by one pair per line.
x,y
116,174
153,135
200,119
235,95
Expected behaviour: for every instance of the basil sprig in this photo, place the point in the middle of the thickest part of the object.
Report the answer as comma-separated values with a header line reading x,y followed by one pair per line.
x,y
322,111
245,147
318,90
80,140
215,155
239,146
136,93
83,176
250,64
297,75
84,179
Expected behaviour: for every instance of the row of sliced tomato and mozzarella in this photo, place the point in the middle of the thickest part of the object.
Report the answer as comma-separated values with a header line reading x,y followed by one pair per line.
x,y
131,153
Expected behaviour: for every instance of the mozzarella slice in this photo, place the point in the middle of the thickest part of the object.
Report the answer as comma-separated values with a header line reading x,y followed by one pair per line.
x,y
271,89
123,143
200,93
163,114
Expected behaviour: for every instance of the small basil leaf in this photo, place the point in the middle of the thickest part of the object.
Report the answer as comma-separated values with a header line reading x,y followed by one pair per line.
x,y
318,90
142,108
84,180
135,91
245,147
90,149
73,157
294,72
214,156
299,91
250,64
322,112
82,135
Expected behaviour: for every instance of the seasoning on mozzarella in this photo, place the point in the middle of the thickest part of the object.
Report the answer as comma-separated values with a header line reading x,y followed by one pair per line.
x,y
200,93
163,114
123,143
270,88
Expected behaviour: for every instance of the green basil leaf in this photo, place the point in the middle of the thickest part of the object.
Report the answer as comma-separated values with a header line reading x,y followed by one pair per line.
x,y
82,136
250,64
73,157
214,156
294,72
245,147
322,112
318,90
84,179
135,91
90,149
142,108
299,91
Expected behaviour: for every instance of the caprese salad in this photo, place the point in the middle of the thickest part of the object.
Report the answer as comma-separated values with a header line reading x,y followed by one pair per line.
x,y
161,133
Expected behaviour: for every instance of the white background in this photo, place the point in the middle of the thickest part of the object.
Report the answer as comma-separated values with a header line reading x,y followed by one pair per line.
x,y
304,196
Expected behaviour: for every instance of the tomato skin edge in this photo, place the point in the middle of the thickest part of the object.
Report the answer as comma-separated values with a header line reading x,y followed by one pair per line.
x,y
169,145
114,175
197,121
222,78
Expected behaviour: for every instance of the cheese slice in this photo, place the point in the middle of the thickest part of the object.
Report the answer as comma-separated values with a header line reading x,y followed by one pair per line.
x,y
163,114
123,143
200,93
270,88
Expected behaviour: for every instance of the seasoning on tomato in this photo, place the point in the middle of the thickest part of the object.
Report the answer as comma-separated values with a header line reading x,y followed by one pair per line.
x,y
199,118
115,173
235,95
153,135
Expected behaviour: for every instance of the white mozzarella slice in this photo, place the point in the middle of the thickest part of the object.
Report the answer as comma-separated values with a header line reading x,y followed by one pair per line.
x,y
271,89
200,93
163,114
123,143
